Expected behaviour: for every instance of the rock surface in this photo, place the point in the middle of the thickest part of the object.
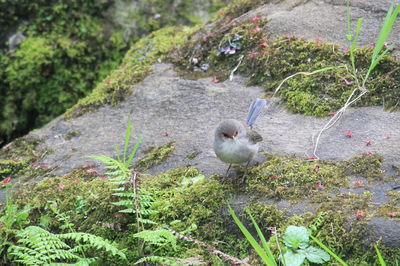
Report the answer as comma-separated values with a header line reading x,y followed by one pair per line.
x,y
190,109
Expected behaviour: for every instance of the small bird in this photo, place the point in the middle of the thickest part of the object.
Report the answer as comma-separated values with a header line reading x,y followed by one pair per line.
x,y
236,143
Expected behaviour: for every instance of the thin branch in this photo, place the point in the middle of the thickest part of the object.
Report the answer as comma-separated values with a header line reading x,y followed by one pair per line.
x,y
210,249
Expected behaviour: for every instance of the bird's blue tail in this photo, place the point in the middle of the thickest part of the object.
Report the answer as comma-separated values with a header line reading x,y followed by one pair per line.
x,y
255,110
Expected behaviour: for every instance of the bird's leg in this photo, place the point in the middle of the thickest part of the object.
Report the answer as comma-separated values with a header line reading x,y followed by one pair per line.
x,y
226,174
245,172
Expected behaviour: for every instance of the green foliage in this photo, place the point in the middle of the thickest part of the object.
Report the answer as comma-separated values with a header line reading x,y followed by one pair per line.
x,y
292,178
65,53
38,246
264,252
296,240
12,218
365,165
158,237
155,156
312,93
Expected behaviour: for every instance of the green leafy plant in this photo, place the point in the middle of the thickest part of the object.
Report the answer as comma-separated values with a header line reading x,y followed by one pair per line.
x,y
38,246
298,248
263,251
380,50
135,200
12,218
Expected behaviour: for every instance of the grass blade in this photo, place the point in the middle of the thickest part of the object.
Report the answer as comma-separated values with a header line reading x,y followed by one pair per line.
x,y
382,37
329,251
127,137
133,153
260,251
263,240
380,258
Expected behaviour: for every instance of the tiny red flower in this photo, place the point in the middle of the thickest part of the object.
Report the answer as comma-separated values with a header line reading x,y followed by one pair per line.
x,y
348,83
264,44
61,187
360,215
256,19
222,12
370,153
256,30
102,177
75,181
319,185
91,171
387,136
6,180
346,50
274,177
315,169
358,183
88,165
332,113
368,143
288,37
214,79
167,133
312,158
392,214
318,41
349,133
253,54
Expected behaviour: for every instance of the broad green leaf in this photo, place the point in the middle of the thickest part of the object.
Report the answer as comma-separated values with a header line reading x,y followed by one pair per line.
x,y
296,237
293,259
316,255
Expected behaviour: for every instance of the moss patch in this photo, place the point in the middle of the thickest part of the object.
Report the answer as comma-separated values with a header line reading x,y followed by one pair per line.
x,y
19,159
84,199
365,165
293,178
155,156
268,63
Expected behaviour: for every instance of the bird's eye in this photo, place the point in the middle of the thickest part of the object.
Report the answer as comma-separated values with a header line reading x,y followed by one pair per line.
x,y
235,134
225,135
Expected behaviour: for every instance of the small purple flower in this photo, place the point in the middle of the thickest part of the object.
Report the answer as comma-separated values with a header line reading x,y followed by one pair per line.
x,y
231,51
237,37
205,67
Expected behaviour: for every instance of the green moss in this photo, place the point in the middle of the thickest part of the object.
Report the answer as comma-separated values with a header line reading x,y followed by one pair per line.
x,y
192,155
136,65
274,61
181,194
293,178
86,200
155,156
18,159
267,215
71,134
365,165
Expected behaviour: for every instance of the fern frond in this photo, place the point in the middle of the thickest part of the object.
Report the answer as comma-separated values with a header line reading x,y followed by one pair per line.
x,y
94,241
155,259
157,237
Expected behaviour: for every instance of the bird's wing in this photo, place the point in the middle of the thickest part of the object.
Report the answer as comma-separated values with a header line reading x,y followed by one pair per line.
x,y
254,136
